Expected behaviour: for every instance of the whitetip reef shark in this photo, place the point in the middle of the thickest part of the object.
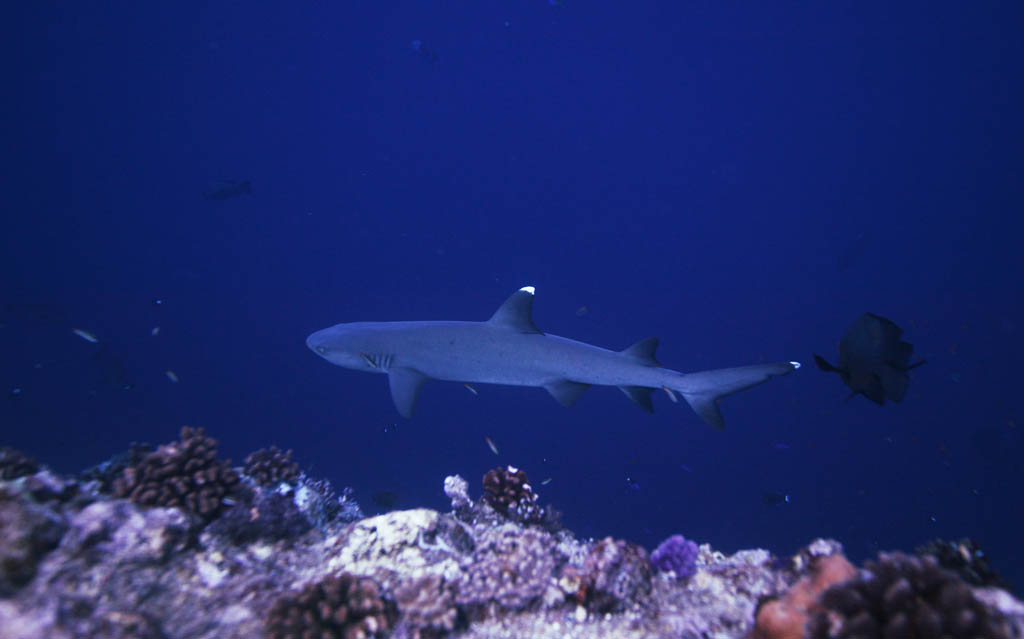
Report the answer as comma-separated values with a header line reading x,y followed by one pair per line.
x,y
509,349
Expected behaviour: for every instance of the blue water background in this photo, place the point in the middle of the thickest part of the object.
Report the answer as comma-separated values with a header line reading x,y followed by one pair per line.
x,y
741,179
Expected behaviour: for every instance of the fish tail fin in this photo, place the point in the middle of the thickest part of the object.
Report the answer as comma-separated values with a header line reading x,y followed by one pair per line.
x,y
703,390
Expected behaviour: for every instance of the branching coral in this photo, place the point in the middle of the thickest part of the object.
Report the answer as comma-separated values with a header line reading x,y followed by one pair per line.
x,y
271,466
345,607
904,596
185,474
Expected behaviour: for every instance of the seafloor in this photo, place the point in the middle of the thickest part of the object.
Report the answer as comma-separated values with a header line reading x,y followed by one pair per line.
x,y
176,543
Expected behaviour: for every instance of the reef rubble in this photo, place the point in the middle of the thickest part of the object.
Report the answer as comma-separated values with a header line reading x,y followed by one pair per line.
x,y
78,561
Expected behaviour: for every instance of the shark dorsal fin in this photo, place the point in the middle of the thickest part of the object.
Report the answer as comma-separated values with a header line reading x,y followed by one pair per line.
x,y
644,351
517,312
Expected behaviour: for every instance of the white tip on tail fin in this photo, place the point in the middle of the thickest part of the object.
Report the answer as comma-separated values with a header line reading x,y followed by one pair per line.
x,y
529,289
703,390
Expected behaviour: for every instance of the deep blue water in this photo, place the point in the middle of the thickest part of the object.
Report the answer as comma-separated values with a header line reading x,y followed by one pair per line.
x,y
742,180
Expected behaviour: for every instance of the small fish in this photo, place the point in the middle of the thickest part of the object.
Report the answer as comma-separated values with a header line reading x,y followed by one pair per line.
x,y
774,498
686,468
223,190
491,444
545,482
86,335
581,311
781,446
671,394
155,331
171,375
14,392
471,389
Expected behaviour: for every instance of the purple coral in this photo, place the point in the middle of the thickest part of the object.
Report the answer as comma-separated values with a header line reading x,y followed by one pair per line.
x,y
677,554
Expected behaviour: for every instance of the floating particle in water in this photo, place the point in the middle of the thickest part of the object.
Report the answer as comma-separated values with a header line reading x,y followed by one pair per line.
x,y
171,375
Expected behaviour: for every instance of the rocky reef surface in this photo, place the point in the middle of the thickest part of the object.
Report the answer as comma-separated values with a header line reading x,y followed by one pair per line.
x,y
174,543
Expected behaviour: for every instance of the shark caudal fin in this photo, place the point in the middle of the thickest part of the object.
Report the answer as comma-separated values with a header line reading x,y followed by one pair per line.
x,y
703,390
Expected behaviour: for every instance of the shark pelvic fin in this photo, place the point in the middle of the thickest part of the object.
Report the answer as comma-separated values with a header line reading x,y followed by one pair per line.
x,y
405,388
566,392
641,395
517,312
643,351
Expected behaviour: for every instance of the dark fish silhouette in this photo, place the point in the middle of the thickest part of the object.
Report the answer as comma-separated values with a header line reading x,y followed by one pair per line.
x,y
872,360
425,52
227,189
386,499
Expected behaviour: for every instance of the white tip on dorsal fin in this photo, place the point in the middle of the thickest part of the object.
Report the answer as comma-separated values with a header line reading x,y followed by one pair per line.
x,y
517,312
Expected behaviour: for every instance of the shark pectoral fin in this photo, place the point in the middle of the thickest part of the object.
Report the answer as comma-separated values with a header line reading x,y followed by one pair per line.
x,y
517,312
405,387
643,351
641,395
566,392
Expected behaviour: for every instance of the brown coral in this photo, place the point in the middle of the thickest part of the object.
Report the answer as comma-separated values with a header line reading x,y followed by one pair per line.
x,y
345,607
905,596
507,490
786,617
271,466
185,474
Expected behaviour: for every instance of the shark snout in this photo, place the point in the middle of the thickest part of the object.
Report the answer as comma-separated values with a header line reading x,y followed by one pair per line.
x,y
315,342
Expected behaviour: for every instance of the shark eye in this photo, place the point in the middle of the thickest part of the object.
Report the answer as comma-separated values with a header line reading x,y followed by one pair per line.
x,y
321,349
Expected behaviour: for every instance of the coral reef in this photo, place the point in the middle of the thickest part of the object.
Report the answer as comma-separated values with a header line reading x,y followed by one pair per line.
x,y
676,554
270,466
14,464
427,608
614,574
510,569
261,515
965,558
106,473
28,533
786,616
508,491
905,596
457,489
299,561
345,607
185,474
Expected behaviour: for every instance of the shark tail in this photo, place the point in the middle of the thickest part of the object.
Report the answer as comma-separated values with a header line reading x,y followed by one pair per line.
x,y
703,390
